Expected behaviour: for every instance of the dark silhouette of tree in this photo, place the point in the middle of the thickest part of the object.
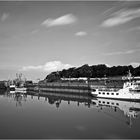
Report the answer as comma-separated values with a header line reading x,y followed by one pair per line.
x,y
84,71
94,71
54,76
137,71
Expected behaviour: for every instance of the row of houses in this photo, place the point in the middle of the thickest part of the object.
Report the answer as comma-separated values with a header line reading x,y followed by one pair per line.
x,y
105,78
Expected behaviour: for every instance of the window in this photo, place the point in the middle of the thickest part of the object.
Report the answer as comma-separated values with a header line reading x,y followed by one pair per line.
x,y
99,92
107,102
103,102
112,93
103,93
107,93
117,103
117,93
112,103
93,90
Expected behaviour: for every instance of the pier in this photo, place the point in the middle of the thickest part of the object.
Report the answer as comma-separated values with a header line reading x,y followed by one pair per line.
x,y
80,89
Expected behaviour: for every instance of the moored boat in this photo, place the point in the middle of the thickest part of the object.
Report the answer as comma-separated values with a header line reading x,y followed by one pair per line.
x,y
12,87
129,91
21,89
18,85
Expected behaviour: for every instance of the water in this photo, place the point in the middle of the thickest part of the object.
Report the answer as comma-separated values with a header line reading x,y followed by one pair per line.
x,y
64,116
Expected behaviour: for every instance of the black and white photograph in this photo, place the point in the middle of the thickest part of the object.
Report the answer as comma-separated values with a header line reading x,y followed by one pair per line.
x,y
69,69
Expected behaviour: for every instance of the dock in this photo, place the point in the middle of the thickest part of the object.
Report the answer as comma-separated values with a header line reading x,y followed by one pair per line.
x,y
80,89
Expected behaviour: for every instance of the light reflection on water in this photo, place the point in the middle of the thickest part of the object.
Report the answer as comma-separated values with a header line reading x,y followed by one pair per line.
x,y
53,115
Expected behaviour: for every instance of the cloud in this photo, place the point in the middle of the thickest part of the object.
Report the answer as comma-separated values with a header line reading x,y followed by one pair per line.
x,y
63,20
135,64
121,52
48,67
26,68
120,17
35,31
108,65
4,16
81,33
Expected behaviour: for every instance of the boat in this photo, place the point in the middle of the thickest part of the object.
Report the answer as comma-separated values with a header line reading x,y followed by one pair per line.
x,y
131,110
129,91
17,85
12,87
21,89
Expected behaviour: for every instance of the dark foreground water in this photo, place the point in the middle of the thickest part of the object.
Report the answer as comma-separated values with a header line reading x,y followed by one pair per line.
x,y
64,116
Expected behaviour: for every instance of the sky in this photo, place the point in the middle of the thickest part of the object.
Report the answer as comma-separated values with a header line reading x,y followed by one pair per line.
x,y
38,37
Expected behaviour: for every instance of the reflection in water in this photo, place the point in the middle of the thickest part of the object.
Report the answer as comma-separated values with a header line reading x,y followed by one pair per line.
x,y
59,115
18,97
51,98
130,110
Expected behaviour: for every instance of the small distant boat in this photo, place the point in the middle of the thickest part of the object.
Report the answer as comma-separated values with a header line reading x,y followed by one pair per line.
x,y
14,89
130,91
18,85
21,89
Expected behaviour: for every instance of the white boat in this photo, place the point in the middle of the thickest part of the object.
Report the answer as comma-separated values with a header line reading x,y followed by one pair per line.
x,y
17,85
129,91
21,89
14,89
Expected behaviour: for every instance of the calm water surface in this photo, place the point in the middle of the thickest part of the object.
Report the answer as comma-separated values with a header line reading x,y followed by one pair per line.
x,y
66,116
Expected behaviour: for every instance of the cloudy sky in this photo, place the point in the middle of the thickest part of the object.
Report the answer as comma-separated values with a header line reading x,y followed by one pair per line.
x,y
37,38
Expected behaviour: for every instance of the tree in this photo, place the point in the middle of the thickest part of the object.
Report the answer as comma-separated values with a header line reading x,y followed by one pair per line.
x,y
93,71
53,77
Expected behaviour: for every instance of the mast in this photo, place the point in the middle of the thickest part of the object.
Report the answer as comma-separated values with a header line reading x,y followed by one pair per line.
x,y
129,76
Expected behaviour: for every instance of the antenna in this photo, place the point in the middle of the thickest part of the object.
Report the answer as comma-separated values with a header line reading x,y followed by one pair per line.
x,y
129,76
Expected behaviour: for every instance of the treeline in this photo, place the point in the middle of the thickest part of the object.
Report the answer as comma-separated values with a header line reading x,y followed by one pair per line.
x,y
94,71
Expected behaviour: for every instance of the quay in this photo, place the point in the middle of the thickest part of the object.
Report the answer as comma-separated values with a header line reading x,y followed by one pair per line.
x,y
53,97
83,88
80,89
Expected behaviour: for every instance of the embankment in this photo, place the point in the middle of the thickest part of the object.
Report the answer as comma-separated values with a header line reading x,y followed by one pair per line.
x,y
80,89
77,88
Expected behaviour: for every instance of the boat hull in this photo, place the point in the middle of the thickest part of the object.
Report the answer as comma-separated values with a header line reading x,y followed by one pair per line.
x,y
14,89
23,90
117,95
121,99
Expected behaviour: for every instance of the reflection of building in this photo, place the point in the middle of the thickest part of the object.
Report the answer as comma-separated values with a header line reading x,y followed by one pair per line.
x,y
57,98
19,98
130,109
52,98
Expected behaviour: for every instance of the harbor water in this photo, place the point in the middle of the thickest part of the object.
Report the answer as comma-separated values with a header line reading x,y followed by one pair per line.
x,y
66,116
